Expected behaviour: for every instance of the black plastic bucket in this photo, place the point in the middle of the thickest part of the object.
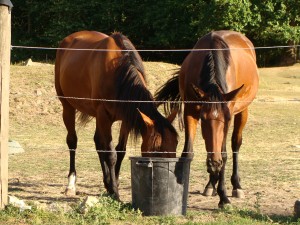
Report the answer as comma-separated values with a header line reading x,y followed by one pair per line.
x,y
160,185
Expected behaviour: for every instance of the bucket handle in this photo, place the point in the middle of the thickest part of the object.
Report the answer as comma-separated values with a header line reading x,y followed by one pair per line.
x,y
144,164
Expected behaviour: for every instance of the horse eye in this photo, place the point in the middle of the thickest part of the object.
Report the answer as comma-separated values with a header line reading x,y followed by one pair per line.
x,y
227,115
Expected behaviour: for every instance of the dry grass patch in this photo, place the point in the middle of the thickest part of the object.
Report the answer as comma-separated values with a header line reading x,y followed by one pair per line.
x,y
269,157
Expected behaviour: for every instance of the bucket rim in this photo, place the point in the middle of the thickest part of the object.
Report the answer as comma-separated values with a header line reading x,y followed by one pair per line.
x,y
159,159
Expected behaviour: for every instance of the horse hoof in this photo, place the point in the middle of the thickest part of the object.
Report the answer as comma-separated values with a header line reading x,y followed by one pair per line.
x,y
70,192
297,209
227,206
238,193
115,197
209,192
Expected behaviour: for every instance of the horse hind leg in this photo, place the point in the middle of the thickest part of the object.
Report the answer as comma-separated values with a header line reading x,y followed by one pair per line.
x,y
236,142
106,152
104,166
69,121
221,189
121,150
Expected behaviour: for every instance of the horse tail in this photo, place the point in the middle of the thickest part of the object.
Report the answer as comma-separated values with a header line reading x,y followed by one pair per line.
x,y
168,95
83,118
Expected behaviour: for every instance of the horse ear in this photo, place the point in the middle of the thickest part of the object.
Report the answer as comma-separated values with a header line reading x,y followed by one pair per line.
x,y
233,94
172,116
148,122
199,93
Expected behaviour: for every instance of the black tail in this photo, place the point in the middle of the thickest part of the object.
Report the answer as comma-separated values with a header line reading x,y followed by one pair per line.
x,y
169,92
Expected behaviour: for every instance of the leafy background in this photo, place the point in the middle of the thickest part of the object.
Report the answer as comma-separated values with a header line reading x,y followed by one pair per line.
x,y
165,24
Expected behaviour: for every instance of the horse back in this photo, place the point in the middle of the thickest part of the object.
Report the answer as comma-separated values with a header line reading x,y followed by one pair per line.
x,y
241,68
83,73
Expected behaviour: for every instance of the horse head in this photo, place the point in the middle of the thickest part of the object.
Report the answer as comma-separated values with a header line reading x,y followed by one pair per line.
x,y
215,115
156,143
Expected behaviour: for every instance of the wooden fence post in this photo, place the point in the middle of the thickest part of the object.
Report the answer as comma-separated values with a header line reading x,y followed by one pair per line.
x,y
5,45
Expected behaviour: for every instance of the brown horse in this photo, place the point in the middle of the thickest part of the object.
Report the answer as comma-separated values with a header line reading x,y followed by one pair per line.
x,y
105,79
217,83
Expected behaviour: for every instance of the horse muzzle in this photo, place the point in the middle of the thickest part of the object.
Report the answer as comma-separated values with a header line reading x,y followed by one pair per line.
x,y
214,167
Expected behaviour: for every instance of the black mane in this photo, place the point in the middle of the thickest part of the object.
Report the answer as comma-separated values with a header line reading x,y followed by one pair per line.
x,y
131,88
213,73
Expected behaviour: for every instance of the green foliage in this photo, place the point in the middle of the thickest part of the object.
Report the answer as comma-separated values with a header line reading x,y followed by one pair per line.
x,y
109,211
106,211
166,24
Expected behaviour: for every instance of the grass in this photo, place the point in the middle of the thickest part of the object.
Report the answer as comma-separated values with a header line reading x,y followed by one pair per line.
x,y
109,211
269,158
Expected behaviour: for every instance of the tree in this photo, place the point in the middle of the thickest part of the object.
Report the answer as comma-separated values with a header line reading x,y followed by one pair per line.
x,y
166,24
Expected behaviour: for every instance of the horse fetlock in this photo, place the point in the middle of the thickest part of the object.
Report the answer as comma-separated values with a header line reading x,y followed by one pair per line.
x,y
111,185
106,182
238,193
114,192
235,181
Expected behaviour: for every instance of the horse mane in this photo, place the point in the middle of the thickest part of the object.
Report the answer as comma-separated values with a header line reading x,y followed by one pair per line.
x,y
213,73
132,56
132,90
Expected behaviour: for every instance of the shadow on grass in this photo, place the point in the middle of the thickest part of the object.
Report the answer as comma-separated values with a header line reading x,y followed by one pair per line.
x,y
257,216
49,192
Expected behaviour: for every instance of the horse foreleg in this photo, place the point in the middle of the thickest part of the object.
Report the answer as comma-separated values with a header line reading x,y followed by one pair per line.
x,y
221,189
210,188
121,150
69,120
236,142
191,118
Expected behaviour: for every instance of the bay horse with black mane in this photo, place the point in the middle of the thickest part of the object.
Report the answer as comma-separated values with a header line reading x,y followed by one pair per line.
x,y
103,77
217,82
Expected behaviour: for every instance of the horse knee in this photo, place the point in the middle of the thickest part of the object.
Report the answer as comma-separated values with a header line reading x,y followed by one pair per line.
x,y
112,158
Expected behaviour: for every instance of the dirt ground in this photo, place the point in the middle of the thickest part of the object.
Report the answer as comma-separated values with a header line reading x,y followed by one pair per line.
x,y
269,158
270,200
